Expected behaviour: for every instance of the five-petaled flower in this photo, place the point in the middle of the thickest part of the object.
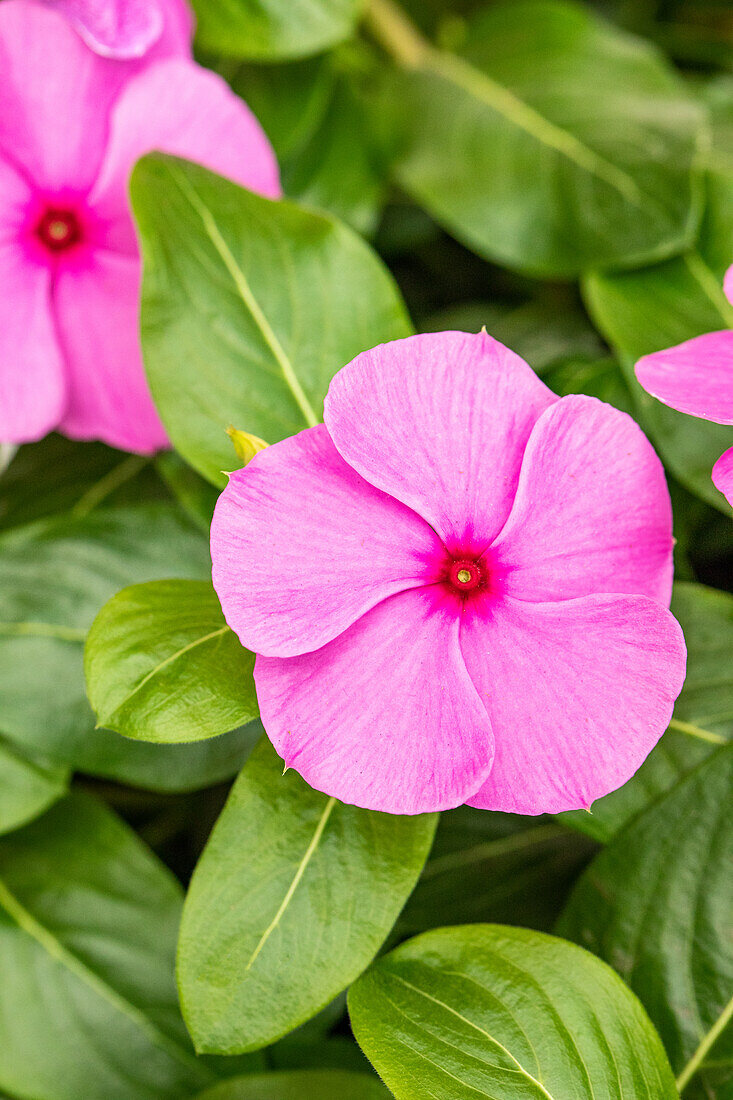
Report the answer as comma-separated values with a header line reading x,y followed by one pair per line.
x,y
72,125
696,377
457,588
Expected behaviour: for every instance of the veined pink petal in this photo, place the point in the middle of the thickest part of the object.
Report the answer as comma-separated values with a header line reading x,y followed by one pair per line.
x,y
385,716
55,96
32,386
578,694
302,546
96,308
114,28
179,108
723,475
439,421
592,511
695,377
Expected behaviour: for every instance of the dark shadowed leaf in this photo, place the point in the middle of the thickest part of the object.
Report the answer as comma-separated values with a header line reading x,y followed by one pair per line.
x,y
306,1084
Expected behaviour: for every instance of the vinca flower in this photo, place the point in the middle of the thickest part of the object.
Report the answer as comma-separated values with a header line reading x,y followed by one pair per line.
x,y
72,125
127,29
696,377
457,588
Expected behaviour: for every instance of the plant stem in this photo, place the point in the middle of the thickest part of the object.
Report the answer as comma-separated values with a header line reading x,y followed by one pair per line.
x,y
707,1043
396,34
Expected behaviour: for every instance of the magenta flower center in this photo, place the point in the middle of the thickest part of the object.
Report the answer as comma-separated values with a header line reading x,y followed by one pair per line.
x,y
59,230
465,574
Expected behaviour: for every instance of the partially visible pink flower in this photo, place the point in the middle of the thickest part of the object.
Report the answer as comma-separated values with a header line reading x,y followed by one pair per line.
x,y
696,377
126,29
70,133
456,587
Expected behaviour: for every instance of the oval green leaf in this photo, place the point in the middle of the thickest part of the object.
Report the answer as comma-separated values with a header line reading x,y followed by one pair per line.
x,y
27,786
269,30
249,308
657,904
162,665
293,896
490,1011
589,166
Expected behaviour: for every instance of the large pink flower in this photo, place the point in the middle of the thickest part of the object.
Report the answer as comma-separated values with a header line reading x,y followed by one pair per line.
x,y
456,587
696,377
130,28
72,125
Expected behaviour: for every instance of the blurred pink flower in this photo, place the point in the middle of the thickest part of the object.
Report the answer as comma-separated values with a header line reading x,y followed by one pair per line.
x,y
456,587
72,125
696,377
127,29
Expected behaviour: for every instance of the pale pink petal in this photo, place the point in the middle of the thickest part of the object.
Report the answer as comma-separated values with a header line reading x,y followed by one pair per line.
x,y
578,694
592,511
32,387
114,28
723,475
439,421
728,284
55,96
179,108
695,377
385,716
97,317
302,546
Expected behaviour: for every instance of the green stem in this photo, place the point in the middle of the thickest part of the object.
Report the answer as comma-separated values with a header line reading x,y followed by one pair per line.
x,y
709,1039
396,34
697,731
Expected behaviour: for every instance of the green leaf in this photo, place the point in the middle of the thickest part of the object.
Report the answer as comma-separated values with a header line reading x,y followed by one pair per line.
x,y
88,920
294,894
495,867
162,665
657,905
505,1013
269,30
657,307
249,308
552,144
54,577
703,714
307,1084
27,786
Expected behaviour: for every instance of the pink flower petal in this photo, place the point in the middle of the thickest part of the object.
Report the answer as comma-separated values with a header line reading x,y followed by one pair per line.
x,y
723,475
728,284
114,28
97,316
179,108
695,377
302,547
385,716
592,511
32,387
440,422
55,95
578,693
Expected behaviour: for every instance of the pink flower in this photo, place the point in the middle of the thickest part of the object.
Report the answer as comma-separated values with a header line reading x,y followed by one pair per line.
x,y
130,28
696,377
72,125
456,587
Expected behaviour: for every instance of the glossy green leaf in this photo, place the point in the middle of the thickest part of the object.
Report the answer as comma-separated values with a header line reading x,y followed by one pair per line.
x,y
552,143
657,905
495,867
703,714
88,920
657,307
267,30
249,308
294,894
504,1013
162,665
307,1084
55,575
27,786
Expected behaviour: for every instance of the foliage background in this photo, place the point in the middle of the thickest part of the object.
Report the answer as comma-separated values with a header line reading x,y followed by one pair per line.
x,y
562,174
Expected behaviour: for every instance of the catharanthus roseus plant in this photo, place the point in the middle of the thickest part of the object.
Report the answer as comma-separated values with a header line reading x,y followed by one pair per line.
x,y
69,261
457,588
696,377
